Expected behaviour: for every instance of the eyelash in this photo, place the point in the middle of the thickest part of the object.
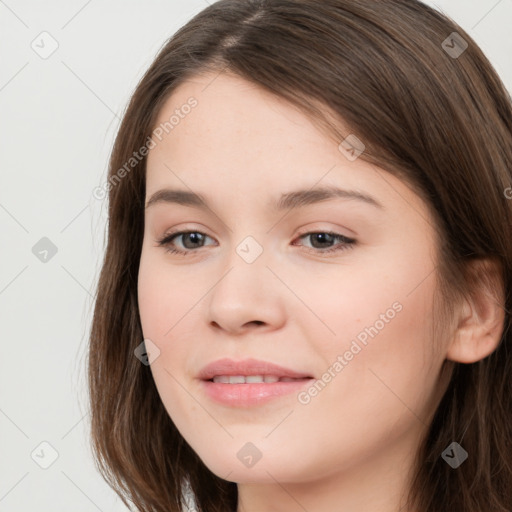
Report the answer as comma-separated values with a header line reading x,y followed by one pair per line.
x,y
348,243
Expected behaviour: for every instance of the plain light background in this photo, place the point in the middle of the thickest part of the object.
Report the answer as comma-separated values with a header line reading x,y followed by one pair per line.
x,y
59,116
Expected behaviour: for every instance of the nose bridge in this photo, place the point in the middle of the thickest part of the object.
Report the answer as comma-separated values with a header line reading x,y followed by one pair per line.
x,y
249,237
246,270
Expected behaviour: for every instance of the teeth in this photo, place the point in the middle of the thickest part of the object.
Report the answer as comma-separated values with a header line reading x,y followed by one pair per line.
x,y
236,379
254,378
241,379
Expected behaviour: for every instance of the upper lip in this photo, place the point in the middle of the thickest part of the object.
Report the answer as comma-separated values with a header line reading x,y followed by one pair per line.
x,y
247,367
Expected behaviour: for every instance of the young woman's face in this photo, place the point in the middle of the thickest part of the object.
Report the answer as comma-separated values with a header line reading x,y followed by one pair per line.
x,y
257,282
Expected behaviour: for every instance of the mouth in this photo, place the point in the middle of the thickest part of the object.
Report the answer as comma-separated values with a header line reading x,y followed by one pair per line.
x,y
250,382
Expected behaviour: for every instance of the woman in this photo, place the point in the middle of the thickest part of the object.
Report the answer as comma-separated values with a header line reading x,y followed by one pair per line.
x,y
260,369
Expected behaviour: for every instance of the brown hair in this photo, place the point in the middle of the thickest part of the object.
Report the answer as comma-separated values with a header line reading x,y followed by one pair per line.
x,y
439,121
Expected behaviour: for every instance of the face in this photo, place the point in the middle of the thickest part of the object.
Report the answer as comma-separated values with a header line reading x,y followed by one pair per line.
x,y
338,291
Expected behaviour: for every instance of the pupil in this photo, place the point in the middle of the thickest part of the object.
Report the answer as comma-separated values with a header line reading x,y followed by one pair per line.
x,y
323,236
192,236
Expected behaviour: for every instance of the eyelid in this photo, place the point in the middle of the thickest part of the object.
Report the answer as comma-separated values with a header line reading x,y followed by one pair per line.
x,y
336,230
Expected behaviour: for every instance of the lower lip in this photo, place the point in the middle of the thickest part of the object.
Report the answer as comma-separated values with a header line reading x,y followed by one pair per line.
x,y
248,395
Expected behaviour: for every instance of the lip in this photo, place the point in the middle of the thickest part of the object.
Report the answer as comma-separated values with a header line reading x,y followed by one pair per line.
x,y
249,394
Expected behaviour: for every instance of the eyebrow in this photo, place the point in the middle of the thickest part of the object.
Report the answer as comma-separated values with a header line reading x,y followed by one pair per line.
x,y
287,201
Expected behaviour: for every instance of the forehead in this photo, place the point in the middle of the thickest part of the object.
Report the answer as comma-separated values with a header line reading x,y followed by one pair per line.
x,y
237,129
230,111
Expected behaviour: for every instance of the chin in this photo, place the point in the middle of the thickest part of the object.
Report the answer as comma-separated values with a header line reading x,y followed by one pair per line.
x,y
241,469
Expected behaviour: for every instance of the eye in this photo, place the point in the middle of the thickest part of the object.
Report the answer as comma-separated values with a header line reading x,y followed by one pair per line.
x,y
328,237
195,240
195,237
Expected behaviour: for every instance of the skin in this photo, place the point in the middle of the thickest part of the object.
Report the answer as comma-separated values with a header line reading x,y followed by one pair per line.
x,y
354,442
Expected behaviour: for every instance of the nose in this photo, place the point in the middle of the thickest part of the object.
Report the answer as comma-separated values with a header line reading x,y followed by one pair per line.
x,y
246,297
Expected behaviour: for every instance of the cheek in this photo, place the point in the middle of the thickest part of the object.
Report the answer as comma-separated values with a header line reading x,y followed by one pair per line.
x,y
158,301
166,299
161,309
379,365
366,302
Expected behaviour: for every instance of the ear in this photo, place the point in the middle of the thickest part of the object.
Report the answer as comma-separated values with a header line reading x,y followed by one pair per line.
x,y
481,318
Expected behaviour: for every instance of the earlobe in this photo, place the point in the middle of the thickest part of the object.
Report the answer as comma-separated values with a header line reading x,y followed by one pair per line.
x,y
481,318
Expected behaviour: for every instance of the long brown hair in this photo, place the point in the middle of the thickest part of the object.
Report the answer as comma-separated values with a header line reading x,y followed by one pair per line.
x,y
431,111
